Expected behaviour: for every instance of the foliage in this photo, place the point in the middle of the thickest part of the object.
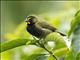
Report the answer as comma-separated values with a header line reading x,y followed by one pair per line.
x,y
20,48
74,53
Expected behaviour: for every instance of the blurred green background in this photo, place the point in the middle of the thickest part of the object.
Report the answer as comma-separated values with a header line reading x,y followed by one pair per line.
x,y
13,14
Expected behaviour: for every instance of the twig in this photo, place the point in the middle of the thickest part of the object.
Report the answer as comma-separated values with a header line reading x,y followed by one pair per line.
x,y
42,46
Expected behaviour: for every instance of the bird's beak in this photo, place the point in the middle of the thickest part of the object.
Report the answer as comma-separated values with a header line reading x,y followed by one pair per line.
x,y
27,21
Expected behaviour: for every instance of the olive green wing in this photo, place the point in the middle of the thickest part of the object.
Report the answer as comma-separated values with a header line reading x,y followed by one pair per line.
x,y
45,25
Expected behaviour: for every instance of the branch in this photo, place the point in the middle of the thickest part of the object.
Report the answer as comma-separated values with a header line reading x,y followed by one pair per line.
x,y
50,52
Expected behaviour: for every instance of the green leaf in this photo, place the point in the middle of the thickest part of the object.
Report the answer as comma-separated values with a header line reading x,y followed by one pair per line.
x,y
78,56
51,57
75,43
38,57
69,56
57,39
12,44
60,49
74,23
58,53
61,52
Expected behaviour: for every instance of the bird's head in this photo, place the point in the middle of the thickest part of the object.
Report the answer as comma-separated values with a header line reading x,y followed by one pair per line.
x,y
31,20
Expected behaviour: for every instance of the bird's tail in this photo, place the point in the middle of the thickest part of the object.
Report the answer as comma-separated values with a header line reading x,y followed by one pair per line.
x,y
61,33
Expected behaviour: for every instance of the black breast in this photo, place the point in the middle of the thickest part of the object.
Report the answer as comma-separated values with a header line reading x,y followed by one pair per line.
x,y
37,31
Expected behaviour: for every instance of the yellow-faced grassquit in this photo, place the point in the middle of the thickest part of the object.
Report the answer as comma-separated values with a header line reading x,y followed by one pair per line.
x,y
39,28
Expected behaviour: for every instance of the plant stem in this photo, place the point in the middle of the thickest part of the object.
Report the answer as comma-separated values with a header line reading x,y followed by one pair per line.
x,y
42,46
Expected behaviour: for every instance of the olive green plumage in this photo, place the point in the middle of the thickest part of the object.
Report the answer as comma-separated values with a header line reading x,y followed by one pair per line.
x,y
39,28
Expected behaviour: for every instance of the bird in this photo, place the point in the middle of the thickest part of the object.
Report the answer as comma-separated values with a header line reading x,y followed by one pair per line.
x,y
39,27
